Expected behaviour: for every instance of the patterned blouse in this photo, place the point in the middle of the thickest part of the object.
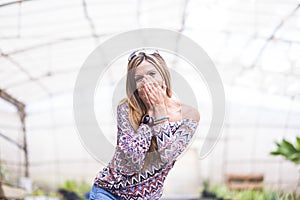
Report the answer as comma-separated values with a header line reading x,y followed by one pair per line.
x,y
124,176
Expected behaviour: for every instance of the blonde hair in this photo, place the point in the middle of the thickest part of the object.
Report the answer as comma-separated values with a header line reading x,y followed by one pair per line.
x,y
136,106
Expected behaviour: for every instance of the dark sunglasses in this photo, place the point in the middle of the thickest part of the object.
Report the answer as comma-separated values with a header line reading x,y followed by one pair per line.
x,y
142,51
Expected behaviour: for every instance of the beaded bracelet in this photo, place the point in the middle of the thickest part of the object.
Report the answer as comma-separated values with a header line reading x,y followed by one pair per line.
x,y
160,120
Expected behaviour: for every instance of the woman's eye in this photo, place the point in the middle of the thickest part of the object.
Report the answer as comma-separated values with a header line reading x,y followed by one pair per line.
x,y
152,73
138,79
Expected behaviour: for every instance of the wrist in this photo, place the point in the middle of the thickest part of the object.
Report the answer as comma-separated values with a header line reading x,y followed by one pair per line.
x,y
160,120
159,110
150,111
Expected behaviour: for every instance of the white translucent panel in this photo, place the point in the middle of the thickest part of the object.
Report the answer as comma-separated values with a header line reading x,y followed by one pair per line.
x,y
250,52
210,41
293,86
13,72
233,47
296,68
293,120
294,52
238,95
290,29
42,145
5,66
7,107
28,65
61,102
11,124
69,54
273,174
229,76
9,26
276,50
28,91
254,17
289,177
274,83
263,148
215,160
241,22
57,22
53,120
47,7
13,77
98,9
19,45
105,21
280,103
242,139
197,16
60,82
66,136
242,116
151,13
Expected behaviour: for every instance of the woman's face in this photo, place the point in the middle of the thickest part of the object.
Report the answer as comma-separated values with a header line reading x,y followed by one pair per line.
x,y
142,70
146,68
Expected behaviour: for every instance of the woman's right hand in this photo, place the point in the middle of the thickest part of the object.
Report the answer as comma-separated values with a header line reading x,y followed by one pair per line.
x,y
154,95
156,92
144,96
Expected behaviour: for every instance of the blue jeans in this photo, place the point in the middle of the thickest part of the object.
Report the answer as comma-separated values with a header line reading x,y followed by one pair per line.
x,y
99,193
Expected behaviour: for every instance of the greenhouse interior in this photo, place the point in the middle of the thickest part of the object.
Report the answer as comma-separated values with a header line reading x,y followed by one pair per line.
x,y
254,46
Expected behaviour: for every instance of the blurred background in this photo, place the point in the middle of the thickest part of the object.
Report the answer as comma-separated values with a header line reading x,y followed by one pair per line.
x,y
255,46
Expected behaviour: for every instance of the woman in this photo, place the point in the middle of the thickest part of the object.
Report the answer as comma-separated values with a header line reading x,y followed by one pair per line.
x,y
153,130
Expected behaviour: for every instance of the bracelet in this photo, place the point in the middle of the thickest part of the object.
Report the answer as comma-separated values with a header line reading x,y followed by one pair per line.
x,y
160,120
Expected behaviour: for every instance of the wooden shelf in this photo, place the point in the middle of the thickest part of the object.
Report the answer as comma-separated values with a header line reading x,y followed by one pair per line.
x,y
245,181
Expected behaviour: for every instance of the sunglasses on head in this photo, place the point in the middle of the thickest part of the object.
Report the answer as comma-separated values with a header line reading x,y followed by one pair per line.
x,y
142,51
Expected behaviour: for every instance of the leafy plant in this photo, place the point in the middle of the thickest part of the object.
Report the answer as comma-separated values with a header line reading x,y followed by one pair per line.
x,y
222,192
4,173
78,187
288,150
38,192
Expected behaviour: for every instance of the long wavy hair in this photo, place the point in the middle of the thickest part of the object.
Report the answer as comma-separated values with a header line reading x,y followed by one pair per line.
x,y
137,108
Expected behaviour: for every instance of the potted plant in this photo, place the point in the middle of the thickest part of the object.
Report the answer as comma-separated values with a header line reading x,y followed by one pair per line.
x,y
289,152
206,194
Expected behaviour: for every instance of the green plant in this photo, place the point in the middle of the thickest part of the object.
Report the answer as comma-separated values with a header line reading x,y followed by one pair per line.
x,y
223,192
4,172
38,192
79,187
288,150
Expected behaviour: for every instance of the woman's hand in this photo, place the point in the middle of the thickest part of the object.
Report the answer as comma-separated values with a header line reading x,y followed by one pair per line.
x,y
156,96
155,91
144,97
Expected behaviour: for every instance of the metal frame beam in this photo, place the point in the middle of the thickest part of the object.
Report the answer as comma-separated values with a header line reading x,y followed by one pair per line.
x,y
21,111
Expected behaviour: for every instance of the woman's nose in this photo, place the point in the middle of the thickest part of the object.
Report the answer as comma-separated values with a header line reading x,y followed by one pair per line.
x,y
140,83
143,81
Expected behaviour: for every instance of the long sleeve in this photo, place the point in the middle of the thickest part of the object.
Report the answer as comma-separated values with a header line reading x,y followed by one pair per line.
x,y
171,145
131,145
